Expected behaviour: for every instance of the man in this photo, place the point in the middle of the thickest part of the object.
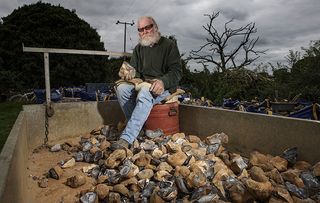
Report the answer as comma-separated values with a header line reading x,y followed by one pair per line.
x,y
156,59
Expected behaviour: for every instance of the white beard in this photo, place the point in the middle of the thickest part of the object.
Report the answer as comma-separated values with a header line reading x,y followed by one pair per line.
x,y
150,40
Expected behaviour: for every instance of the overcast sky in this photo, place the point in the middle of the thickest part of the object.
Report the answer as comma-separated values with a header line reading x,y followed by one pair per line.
x,y
282,25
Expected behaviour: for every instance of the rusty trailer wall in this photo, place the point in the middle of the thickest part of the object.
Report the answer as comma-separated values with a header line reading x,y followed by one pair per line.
x,y
246,131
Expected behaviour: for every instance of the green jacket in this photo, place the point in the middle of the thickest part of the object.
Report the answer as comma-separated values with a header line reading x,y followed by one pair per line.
x,y
162,61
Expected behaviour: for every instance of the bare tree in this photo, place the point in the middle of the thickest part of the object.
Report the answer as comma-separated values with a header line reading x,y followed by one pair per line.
x,y
217,49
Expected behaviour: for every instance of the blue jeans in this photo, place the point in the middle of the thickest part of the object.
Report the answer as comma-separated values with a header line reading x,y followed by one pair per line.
x,y
136,107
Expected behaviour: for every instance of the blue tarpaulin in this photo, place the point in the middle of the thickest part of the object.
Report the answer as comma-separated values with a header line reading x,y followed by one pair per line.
x,y
306,113
41,95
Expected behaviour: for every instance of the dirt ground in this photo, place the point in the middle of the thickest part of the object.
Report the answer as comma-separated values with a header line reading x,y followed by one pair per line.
x,y
39,163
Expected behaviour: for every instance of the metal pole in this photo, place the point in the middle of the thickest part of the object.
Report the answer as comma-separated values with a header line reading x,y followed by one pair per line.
x,y
125,38
125,32
47,77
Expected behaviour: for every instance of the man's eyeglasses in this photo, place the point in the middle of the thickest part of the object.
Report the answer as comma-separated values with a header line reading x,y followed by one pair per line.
x,y
147,27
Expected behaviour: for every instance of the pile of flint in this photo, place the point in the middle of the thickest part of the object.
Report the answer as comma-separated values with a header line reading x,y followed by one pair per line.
x,y
180,168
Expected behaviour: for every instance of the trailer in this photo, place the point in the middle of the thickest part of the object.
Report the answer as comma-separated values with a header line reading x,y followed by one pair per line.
x,y
246,131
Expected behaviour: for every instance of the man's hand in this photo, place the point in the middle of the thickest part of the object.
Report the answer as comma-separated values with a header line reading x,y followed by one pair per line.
x,y
157,86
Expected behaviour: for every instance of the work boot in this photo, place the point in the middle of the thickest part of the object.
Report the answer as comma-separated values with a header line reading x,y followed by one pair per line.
x,y
120,144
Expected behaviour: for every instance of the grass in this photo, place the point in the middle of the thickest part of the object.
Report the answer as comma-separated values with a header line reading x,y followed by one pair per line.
x,y
9,112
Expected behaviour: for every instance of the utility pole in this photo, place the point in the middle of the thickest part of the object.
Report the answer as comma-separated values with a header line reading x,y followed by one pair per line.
x,y
125,31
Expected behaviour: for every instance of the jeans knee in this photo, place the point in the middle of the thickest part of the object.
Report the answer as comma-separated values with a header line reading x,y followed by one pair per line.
x,y
145,95
124,90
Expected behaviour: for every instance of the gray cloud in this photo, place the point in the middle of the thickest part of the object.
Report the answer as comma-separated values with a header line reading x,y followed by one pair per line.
x,y
282,25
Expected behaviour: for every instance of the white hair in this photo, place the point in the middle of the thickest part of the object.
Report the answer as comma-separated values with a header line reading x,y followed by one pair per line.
x,y
150,40
151,19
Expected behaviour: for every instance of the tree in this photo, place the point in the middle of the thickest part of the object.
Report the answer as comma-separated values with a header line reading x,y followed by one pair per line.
x,y
218,50
313,50
45,25
292,58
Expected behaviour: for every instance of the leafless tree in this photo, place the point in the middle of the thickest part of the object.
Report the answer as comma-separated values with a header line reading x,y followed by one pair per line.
x,y
217,49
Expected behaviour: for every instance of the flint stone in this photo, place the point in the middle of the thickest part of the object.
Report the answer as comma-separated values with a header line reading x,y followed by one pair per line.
x,y
291,155
173,147
143,160
217,138
168,193
114,197
79,156
86,146
94,149
238,192
97,156
293,189
261,160
133,171
88,157
161,175
199,153
43,182
55,172
177,159
244,174
316,169
275,176
76,181
90,197
119,188
194,139
94,141
150,166
102,191
261,190
258,174
293,177
102,178
154,134
164,149
196,179
148,145
191,144
55,148
115,158
238,164
225,158
211,149
298,200
155,198
95,172
164,166
277,200
130,181
282,192
104,145
145,174
135,188
302,165
279,163
105,130
203,166
157,153
86,169
177,136
182,170
70,163
310,181
220,150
